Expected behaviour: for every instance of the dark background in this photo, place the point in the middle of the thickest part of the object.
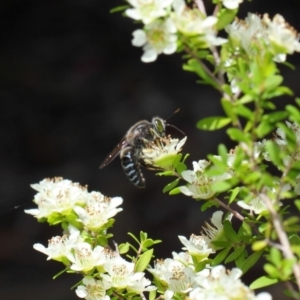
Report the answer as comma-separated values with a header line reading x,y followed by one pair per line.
x,y
71,85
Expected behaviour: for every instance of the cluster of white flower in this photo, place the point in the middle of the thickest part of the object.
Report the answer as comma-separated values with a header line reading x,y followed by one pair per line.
x,y
179,277
57,198
103,268
257,33
164,19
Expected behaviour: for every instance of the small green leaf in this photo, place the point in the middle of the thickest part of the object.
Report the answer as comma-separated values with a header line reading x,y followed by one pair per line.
x,y
213,123
262,282
259,245
251,261
274,152
235,254
180,167
123,248
165,173
193,65
118,8
238,135
171,185
143,261
229,232
175,191
225,17
275,257
233,194
221,256
228,109
264,128
244,111
152,295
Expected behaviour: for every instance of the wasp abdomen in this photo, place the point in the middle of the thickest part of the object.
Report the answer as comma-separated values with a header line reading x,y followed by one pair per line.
x,y
131,167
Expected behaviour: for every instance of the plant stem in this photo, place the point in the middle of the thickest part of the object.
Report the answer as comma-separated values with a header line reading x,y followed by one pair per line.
x,y
283,238
234,212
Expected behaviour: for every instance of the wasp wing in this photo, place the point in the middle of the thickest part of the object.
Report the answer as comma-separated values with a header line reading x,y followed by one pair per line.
x,y
114,153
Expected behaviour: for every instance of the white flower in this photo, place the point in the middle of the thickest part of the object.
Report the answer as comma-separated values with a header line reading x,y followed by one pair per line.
x,y
281,139
217,283
264,35
56,196
93,289
193,22
281,34
176,275
156,38
199,185
119,271
184,257
98,210
232,4
85,258
148,10
196,246
59,247
161,152
257,205
211,233
139,284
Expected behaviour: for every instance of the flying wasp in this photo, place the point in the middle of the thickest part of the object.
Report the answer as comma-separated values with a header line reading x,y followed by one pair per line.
x,y
131,145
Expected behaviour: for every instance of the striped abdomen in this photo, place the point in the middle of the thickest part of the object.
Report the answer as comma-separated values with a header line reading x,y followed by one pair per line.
x,y
131,167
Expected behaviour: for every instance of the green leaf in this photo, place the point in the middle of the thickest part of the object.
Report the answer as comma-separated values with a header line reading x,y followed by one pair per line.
x,y
264,128
272,271
262,282
133,236
297,203
225,17
119,8
251,261
233,193
193,65
274,152
152,295
228,109
244,111
259,245
235,254
276,116
275,257
241,259
123,248
175,191
223,152
143,261
165,173
180,167
238,135
221,256
213,123
229,232
221,186
171,185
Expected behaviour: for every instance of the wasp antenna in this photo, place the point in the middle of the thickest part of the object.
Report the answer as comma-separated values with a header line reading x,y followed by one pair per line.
x,y
173,113
179,130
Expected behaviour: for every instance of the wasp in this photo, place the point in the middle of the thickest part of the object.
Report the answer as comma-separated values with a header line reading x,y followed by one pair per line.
x,y
131,145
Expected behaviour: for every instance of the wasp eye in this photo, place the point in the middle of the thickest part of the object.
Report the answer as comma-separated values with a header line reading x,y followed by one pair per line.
x,y
159,125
